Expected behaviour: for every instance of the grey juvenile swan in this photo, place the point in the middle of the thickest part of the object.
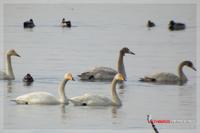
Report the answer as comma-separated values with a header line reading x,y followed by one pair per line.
x,y
9,74
46,98
170,78
106,73
96,100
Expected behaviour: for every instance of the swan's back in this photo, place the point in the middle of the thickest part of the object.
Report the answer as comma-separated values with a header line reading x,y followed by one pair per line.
x,y
165,77
91,100
37,98
98,73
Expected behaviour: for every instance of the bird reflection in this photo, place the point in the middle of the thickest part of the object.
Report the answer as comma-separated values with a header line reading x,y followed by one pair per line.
x,y
9,86
114,111
63,110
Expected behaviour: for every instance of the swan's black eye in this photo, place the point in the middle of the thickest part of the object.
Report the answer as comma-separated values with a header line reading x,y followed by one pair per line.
x,y
84,104
190,64
91,77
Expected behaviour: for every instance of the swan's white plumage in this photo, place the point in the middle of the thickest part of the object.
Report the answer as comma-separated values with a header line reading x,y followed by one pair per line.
x,y
45,97
96,100
91,100
37,98
8,74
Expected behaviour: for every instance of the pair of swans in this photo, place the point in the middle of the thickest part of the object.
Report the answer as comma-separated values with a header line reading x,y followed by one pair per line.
x,y
85,100
9,74
106,73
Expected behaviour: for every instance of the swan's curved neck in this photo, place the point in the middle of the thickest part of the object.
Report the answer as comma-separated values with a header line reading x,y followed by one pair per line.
x,y
61,92
115,97
120,64
9,70
182,76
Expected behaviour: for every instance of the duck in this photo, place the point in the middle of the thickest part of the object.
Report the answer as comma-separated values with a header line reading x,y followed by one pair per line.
x,y
29,24
65,23
150,24
28,79
170,78
9,74
97,100
106,73
176,26
45,98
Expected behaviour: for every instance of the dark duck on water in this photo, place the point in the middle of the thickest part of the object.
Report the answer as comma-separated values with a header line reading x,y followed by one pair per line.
x,y
29,24
28,79
176,26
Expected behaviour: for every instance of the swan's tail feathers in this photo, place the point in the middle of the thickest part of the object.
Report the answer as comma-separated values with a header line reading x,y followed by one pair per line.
x,y
86,76
13,100
147,79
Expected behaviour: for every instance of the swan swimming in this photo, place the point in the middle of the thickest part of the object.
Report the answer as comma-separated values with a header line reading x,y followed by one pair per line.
x,y
9,74
170,78
96,100
45,97
106,73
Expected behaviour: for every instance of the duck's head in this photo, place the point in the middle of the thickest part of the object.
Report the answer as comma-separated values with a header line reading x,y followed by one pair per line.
x,y
12,52
28,78
68,76
31,20
190,64
125,50
119,77
171,22
63,20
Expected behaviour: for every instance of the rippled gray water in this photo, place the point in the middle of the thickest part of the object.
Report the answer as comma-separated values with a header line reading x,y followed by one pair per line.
x,y
98,33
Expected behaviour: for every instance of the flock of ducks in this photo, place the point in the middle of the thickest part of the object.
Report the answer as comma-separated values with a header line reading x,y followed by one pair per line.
x,y
97,74
171,26
30,23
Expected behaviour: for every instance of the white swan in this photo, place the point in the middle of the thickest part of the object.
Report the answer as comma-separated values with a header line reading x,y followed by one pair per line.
x,y
170,78
106,73
9,74
96,100
45,97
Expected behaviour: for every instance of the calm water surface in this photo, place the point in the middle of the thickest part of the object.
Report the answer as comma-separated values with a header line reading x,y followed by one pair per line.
x,y
98,33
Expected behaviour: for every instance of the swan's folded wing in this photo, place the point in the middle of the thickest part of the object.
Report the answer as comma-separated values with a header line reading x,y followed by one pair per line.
x,y
98,73
91,100
37,98
165,77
